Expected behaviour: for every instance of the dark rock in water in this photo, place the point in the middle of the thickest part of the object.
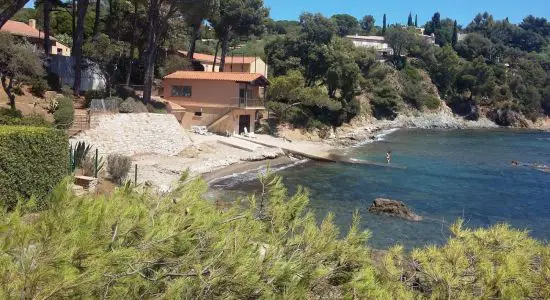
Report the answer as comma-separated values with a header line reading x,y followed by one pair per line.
x,y
507,117
393,208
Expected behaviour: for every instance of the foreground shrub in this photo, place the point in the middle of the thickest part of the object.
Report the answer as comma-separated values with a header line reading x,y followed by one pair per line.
x,y
131,245
38,87
118,166
64,115
33,160
131,105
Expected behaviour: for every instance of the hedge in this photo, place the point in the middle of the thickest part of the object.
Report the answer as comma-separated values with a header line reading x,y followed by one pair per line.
x,y
33,160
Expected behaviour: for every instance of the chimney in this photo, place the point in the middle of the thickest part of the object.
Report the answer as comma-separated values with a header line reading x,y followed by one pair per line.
x,y
32,23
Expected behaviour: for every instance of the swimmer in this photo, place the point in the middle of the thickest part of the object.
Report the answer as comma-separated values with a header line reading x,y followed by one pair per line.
x,y
388,157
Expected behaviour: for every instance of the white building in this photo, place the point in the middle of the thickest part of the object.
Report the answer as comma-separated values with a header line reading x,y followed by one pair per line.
x,y
375,42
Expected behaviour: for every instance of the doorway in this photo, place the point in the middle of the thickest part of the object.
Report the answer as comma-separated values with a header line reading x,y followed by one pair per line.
x,y
244,121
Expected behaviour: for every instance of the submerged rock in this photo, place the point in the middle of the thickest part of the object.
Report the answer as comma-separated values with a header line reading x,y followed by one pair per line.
x,y
393,208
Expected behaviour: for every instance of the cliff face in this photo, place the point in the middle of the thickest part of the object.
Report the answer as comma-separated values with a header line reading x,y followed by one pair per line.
x,y
417,104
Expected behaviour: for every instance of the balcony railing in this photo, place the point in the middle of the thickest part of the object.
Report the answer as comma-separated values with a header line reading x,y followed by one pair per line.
x,y
247,102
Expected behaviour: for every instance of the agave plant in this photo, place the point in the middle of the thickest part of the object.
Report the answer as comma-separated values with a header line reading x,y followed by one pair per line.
x,y
79,154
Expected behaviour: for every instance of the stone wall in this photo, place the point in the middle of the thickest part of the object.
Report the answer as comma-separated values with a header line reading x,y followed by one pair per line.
x,y
131,134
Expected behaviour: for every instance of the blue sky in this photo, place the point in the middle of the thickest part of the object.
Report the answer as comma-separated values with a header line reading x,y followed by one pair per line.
x,y
398,10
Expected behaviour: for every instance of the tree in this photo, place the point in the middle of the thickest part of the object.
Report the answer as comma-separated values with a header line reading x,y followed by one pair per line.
x,y
97,19
410,20
367,23
384,25
195,15
159,12
415,20
10,9
18,63
399,39
455,35
345,24
238,17
78,43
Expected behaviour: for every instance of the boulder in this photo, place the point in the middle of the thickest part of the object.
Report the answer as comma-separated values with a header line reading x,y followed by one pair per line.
x,y
393,208
508,117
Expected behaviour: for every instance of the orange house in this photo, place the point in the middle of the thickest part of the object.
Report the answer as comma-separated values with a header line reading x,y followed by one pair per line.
x,y
34,36
237,63
225,103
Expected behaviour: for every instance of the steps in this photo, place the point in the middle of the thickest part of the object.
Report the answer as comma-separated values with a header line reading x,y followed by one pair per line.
x,y
81,122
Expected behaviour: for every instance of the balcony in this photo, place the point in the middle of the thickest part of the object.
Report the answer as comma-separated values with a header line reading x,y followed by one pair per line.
x,y
251,103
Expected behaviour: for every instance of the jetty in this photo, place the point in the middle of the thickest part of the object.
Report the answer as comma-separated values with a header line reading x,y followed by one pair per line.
x,y
306,151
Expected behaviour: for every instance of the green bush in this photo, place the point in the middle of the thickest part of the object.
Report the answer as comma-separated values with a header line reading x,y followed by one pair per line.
x,y
118,166
33,160
38,87
91,95
131,105
67,91
8,112
431,102
129,245
15,117
64,115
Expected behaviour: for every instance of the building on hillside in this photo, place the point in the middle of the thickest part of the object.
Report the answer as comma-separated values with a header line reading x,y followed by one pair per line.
x,y
239,64
377,43
226,102
34,36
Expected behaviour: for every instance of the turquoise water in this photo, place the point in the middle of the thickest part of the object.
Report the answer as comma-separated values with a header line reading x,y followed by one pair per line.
x,y
448,175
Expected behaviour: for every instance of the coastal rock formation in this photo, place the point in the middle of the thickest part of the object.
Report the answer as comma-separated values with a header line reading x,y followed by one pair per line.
x,y
393,208
508,117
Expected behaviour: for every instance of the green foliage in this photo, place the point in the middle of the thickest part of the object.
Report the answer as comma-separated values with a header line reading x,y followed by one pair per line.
x,y
79,153
345,24
38,87
386,101
33,160
19,63
64,115
484,263
292,102
131,105
94,94
118,166
132,244
175,63
368,24
15,117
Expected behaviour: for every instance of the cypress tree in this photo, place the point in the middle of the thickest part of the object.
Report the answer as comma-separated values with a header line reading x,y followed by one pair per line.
x,y
455,35
384,24
415,20
410,20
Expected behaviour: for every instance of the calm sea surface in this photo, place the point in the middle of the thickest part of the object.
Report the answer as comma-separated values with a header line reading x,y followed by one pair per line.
x,y
448,174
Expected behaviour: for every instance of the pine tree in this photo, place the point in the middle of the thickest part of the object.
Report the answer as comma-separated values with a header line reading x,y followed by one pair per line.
x,y
455,35
384,24
415,20
410,20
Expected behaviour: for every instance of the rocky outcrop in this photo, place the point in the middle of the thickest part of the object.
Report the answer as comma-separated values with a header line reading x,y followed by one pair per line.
x,y
508,117
393,208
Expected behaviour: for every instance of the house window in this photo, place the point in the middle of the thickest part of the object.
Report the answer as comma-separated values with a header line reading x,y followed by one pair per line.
x,y
181,91
198,114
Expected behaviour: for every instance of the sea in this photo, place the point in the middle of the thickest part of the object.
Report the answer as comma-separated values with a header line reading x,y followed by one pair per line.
x,y
442,175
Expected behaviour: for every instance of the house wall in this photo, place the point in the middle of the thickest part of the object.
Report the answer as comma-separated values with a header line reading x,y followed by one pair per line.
x,y
213,99
65,51
258,67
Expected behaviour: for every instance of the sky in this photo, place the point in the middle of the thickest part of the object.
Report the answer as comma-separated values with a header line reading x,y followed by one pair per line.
x,y
398,10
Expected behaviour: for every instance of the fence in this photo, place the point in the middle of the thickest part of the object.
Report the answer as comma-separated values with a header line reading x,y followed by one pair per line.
x,y
105,105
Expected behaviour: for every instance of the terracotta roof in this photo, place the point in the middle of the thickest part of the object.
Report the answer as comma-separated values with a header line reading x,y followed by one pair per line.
x,y
228,59
224,76
23,29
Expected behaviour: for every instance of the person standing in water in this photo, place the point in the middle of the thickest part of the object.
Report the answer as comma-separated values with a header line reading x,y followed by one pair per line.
x,y
388,157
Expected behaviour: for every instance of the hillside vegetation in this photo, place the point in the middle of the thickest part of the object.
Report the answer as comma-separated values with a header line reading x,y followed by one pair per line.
x,y
497,70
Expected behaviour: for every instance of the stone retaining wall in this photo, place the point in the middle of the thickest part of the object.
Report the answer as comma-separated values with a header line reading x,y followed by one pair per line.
x,y
131,134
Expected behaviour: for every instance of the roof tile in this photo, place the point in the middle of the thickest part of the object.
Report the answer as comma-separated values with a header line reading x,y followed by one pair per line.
x,y
223,76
